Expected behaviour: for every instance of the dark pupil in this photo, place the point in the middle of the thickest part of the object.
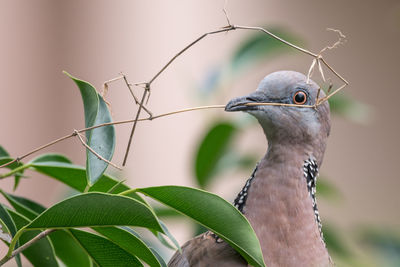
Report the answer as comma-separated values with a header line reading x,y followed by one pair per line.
x,y
299,97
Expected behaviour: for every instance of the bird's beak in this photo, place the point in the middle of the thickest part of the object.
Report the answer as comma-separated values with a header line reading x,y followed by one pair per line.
x,y
239,103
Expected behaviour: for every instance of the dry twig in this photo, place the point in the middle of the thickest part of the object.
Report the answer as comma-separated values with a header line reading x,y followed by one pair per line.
x,y
74,133
318,60
26,245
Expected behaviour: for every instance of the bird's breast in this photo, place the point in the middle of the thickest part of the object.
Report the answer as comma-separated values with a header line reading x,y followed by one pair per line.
x,y
280,210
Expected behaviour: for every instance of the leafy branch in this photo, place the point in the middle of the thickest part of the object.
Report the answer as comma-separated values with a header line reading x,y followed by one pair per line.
x,y
105,204
147,86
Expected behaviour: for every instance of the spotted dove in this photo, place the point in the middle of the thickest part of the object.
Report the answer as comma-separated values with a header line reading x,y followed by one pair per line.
x,y
279,198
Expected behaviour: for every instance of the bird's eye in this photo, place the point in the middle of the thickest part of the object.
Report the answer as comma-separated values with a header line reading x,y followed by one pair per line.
x,y
299,98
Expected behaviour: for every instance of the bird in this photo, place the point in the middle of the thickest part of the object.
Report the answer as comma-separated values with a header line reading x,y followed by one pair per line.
x,y
279,197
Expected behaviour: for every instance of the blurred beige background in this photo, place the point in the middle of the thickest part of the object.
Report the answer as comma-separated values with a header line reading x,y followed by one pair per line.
x,y
95,40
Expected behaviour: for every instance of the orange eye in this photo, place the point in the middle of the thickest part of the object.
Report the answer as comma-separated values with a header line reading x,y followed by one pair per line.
x,y
299,98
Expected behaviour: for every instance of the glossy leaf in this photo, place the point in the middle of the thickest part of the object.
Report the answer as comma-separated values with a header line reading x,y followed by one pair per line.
x,y
96,209
167,212
19,207
66,248
75,177
169,235
41,253
34,207
163,240
12,229
104,252
160,259
226,221
260,46
51,157
211,149
128,240
71,175
102,139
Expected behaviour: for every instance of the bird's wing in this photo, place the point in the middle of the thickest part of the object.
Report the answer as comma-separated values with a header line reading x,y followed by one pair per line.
x,y
207,250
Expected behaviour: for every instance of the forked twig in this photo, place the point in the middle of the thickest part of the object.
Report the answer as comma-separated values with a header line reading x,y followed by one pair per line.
x,y
146,91
147,85
128,85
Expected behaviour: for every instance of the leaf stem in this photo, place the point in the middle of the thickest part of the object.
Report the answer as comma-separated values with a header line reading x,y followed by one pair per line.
x,y
20,168
14,241
129,191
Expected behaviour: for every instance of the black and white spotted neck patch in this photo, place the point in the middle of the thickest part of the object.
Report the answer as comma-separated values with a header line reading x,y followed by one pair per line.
x,y
240,200
310,170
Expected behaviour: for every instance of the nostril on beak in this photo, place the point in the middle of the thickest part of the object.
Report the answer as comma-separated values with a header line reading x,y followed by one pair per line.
x,y
252,99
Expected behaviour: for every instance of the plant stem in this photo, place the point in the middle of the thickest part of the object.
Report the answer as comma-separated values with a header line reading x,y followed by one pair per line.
x,y
11,255
20,168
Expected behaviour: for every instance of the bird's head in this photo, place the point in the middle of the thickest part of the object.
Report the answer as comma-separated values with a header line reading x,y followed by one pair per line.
x,y
289,124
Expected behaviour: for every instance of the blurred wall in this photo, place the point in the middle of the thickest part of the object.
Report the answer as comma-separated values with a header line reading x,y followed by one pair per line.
x,y
95,40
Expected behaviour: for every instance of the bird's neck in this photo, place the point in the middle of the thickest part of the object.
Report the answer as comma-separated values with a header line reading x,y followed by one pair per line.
x,y
281,211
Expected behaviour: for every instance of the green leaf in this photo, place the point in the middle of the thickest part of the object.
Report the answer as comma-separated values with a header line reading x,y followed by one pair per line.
x,y
12,229
90,100
170,236
71,175
128,240
104,252
51,157
12,166
75,177
259,47
226,221
167,212
107,183
160,259
41,253
211,149
102,139
3,153
96,209
68,250
350,109
19,207
30,204
65,246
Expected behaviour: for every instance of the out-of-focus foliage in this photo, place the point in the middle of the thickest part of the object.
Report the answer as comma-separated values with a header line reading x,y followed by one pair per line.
x,y
384,244
256,50
259,47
